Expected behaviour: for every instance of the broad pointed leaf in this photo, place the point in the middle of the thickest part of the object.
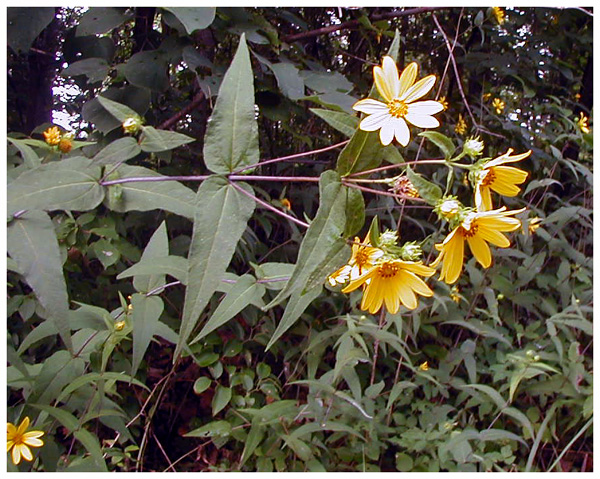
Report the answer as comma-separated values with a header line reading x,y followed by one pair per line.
x,y
157,247
145,313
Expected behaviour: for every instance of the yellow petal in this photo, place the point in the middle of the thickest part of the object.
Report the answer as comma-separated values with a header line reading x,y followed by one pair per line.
x,y
483,198
385,89
480,250
453,260
16,455
9,444
408,77
417,284
418,268
23,426
494,237
407,296
419,89
33,442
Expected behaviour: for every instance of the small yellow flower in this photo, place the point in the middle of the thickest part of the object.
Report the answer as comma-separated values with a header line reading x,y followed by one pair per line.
x,y
461,125
582,123
442,100
486,96
286,204
20,440
533,225
499,14
399,93
577,96
52,136
65,145
119,325
499,105
499,178
424,366
392,282
455,294
478,228
363,258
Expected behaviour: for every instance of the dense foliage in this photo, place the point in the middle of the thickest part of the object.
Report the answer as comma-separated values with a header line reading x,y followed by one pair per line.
x,y
168,303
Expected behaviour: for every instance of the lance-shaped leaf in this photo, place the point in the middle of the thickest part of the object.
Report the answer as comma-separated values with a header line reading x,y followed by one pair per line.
x,y
30,157
32,243
175,266
244,292
429,191
340,120
157,247
322,236
151,194
70,184
231,140
222,213
154,140
365,151
441,141
145,313
122,149
118,110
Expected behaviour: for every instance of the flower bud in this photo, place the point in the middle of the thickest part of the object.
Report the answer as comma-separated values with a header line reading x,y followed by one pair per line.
x,y
132,125
473,146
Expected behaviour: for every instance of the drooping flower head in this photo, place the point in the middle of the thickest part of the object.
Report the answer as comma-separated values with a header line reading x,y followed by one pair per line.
x,y
478,228
363,258
19,440
392,282
400,94
494,175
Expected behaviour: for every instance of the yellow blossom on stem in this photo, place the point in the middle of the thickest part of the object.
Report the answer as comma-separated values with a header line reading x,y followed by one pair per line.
x,y
499,178
442,100
286,204
363,258
461,125
533,225
400,94
392,282
19,440
455,294
52,136
477,229
499,14
582,123
424,366
499,105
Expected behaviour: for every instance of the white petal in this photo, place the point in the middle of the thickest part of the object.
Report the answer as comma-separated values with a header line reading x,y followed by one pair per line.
x,y
408,77
419,89
386,135
422,121
390,72
370,106
401,131
374,122
427,107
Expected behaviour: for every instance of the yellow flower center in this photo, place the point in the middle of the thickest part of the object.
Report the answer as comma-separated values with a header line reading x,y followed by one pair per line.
x,y
488,178
397,108
472,231
362,258
388,270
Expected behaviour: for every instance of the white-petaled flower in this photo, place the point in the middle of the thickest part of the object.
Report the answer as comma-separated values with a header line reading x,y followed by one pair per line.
x,y
400,93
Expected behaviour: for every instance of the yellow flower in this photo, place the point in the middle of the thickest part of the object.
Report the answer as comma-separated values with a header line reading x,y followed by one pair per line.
x,y
363,258
461,125
486,96
65,145
52,136
455,294
393,282
582,123
120,325
477,229
424,366
533,225
286,204
499,14
400,93
443,102
499,105
19,440
502,179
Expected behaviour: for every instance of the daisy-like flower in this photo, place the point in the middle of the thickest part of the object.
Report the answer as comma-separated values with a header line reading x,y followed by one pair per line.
x,y
363,258
461,125
499,14
582,123
499,178
399,93
499,105
52,136
478,229
20,440
442,100
392,282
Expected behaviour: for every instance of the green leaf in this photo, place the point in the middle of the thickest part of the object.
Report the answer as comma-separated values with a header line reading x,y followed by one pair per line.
x,y
170,196
148,69
254,438
193,18
98,20
119,150
201,385
95,377
278,273
70,184
220,399
212,429
221,216
341,121
106,252
24,24
288,79
157,247
144,317
31,242
153,140
429,191
322,237
355,212
30,157
231,140
95,69
118,110
175,266
299,447
441,141
244,292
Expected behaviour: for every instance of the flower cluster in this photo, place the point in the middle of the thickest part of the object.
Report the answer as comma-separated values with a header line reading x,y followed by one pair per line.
x,y
54,137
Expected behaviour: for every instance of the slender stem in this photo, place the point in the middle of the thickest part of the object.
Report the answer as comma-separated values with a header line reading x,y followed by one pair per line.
x,y
292,157
152,179
380,192
268,206
396,165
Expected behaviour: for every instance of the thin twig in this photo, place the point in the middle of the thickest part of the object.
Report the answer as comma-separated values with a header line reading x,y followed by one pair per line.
x,y
154,179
